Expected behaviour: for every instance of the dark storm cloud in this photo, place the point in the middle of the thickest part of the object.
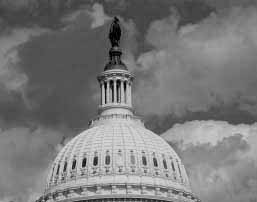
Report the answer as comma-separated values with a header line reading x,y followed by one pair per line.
x,y
62,67
42,69
224,4
45,13
25,154
53,14
48,78
144,12
12,79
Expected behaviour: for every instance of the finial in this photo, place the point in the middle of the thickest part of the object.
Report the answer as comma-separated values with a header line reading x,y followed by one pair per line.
x,y
115,32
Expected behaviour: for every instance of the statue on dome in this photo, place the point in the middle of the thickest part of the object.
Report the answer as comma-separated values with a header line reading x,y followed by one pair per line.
x,y
115,32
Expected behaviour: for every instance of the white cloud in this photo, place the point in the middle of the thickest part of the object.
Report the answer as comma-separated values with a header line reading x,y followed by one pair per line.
x,y
211,132
198,66
220,158
98,15
95,13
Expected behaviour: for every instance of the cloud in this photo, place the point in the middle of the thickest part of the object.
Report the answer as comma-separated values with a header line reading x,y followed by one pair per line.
x,y
11,77
13,80
98,15
187,67
25,154
44,13
16,5
198,66
220,158
62,67
221,4
95,13
194,132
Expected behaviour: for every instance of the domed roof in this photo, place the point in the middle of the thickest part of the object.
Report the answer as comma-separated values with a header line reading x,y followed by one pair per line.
x,y
119,153
117,158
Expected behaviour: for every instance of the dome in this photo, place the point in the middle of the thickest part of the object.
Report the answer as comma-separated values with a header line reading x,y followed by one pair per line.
x,y
120,154
117,158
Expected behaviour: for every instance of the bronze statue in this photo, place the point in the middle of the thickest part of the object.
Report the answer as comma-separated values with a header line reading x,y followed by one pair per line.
x,y
115,33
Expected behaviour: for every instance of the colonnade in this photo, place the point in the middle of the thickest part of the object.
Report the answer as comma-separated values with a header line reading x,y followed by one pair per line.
x,y
116,91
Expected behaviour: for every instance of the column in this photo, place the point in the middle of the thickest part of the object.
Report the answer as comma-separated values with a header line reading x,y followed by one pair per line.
x,y
129,93
115,91
103,93
122,98
108,92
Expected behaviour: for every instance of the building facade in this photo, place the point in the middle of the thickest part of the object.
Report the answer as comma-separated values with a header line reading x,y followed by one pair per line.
x,y
117,158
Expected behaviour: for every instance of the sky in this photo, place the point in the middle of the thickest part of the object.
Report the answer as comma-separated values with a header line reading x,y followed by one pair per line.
x,y
196,76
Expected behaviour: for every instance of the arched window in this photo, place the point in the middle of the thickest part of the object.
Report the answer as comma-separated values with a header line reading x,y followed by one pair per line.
x,y
132,158
107,158
165,164
155,162
172,165
58,168
144,161
95,160
74,162
84,162
65,166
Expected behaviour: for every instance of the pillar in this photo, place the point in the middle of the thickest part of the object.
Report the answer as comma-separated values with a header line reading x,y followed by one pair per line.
x,y
103,93
108,92
122,98
129,93
115,90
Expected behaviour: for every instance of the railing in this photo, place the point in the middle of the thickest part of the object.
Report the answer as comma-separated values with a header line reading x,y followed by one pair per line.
x,y
115,116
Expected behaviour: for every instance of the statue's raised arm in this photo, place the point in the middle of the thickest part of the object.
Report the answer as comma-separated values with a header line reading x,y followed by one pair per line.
x,y
115,33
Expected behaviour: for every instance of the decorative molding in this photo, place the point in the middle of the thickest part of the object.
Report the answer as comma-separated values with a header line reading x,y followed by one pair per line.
x,y
146,192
